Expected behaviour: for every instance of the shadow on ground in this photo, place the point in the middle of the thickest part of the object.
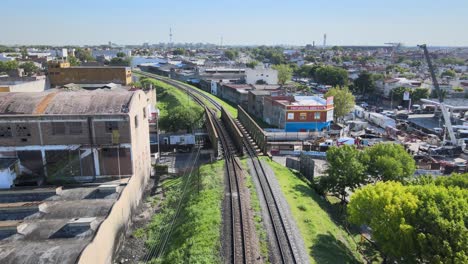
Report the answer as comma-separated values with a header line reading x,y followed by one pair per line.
x,y
328,249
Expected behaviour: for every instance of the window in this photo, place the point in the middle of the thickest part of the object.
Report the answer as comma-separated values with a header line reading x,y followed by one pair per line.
x,y
75,128
22,130
144,112
303,116
317,115
111,126
5,131
290,116
58,128
136,121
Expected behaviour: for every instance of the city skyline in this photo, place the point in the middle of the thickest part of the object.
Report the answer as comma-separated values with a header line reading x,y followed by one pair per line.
x,y
362,22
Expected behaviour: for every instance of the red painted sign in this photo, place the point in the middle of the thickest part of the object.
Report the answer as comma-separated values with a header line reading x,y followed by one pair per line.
x,y
306,107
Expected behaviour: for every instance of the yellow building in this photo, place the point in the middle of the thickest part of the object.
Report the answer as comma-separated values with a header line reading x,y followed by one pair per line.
x,y
61,73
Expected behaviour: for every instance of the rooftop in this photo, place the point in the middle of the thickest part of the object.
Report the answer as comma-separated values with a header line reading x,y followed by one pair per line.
x,y
52,225
59,102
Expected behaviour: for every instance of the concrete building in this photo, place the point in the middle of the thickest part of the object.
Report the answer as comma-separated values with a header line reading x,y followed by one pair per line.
x,y
24,84
61,73
386,86
91,133
235,93
266,75
298,113
65,137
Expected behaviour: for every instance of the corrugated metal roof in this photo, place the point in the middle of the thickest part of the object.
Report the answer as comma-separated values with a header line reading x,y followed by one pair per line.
x,y
65,102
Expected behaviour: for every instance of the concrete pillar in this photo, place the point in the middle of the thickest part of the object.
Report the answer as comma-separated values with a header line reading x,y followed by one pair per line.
x,y
97,169
44,161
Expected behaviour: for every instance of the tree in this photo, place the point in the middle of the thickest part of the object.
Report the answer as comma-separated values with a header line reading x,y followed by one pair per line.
x,y
449,73
343,101
416,223
231,54
365,83
84,55
179,51
6,66
307,71
419,93
121,54
330,75
73,61
29,68
119,61
389,162
345,171
251,64
284,73
183,118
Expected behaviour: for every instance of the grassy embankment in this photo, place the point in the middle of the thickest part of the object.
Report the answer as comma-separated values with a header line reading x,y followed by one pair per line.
x,y
325,240
196,233
170,97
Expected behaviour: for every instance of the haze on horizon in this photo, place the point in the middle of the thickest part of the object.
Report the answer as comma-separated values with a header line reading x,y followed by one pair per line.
x,y
259,22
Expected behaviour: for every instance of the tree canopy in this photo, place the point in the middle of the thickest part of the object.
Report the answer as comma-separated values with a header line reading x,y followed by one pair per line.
x,y
416,223
231,54
415,94
449,73
29,68
84,55
331,75
284,73
184,117
6,66
345,171
388,162
344,101
365,83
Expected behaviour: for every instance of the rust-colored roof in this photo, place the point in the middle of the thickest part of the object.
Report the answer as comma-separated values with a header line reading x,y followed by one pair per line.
x,y
65,102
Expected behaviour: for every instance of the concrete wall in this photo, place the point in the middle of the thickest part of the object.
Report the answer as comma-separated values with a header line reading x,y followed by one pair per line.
x,y
109,235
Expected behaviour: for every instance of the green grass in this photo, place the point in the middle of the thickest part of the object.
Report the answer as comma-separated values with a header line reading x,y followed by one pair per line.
x,y
324,239
196,234
170,97
257,212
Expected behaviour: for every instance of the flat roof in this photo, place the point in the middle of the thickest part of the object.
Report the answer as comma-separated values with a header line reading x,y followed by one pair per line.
x,y
60,102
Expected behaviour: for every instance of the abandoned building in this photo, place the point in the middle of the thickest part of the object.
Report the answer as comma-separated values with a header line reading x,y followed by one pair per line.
x,y
89,153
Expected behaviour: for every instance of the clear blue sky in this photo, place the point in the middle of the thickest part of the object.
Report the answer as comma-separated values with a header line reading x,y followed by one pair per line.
x,y
346,22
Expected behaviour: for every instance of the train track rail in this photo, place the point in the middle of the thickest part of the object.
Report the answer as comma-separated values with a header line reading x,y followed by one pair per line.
x,y
281,239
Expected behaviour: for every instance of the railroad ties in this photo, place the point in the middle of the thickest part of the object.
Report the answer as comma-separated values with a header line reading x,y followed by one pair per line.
x,y
235,139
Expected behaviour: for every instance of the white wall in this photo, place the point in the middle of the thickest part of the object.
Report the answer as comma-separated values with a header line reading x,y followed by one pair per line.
x,y
268,75
34,86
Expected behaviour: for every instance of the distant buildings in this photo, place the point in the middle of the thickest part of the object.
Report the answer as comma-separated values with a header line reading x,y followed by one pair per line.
x,y
61,73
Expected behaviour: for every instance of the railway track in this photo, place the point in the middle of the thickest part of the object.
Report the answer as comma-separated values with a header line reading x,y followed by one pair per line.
x,y
284,248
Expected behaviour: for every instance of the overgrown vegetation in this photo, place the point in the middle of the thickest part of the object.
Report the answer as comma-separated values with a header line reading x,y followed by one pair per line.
x,y
196,232
257,211
325,240
424,222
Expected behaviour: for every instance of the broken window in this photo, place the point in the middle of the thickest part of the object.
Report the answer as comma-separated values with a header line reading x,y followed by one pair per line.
x,y
5,131
58,128
22,130
75,128
136,121
111,126
144,112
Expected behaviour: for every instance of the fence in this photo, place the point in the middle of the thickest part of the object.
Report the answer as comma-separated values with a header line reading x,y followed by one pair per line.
x,y
305,165
255,131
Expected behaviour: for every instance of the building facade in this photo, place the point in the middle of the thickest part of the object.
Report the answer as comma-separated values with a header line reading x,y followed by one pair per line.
x,y
23,84
265,75
76,136
298,113
61,73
